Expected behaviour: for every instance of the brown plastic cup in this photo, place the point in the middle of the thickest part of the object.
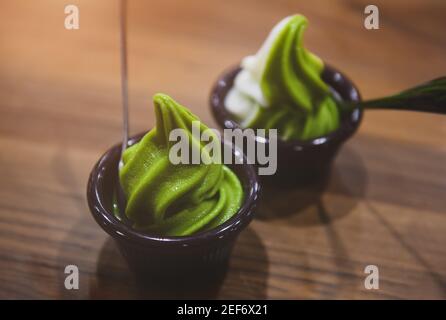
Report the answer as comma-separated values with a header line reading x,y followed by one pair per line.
x,y
297,161
156,257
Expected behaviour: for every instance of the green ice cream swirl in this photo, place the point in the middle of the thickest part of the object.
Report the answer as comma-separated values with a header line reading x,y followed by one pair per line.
x,y
298,103
176,199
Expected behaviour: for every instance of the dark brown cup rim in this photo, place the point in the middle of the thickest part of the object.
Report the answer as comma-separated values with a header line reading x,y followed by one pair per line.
x,y
337,81
117,229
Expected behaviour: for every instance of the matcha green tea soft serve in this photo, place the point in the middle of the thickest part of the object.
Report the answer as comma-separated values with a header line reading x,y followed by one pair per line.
x,y
176,199
281,87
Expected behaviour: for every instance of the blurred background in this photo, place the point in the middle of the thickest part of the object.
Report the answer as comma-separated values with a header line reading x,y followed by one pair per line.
x,y
60,109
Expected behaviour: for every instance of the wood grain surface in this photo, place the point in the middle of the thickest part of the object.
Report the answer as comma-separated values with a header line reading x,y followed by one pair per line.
x,y
384,203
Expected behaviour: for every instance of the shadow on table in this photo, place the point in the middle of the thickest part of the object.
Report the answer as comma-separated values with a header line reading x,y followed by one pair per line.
x,y
436,276
320,203
245,277
303,205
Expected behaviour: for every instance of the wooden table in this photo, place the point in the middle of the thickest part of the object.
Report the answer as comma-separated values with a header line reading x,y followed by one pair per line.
x,y
385,201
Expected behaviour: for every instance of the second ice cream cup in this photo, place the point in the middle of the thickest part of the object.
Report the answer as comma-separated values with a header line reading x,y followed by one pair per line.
x,y
297,161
